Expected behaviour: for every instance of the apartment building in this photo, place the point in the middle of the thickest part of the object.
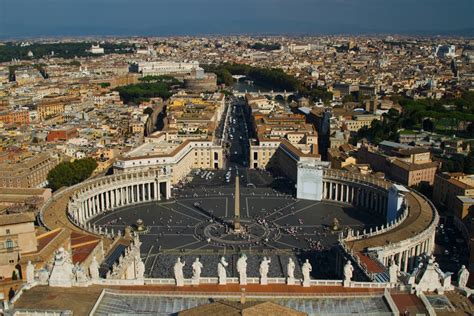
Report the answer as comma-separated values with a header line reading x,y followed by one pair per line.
x,y
15,117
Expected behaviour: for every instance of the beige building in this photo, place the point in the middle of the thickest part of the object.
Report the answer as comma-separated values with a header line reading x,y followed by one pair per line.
x,y
359,121
454,193
48,110
340,157
283,140
17,237
167,150
402,163
24,196
187,142
28,172
194,117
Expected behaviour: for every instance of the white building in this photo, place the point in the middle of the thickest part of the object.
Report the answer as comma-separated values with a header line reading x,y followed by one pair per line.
x,y
159,68
96,49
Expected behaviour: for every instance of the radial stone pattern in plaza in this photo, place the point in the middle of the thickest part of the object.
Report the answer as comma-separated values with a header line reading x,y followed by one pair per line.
x,y
343,216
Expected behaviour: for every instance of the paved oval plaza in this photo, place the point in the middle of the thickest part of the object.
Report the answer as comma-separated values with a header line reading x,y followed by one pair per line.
x,y
199,222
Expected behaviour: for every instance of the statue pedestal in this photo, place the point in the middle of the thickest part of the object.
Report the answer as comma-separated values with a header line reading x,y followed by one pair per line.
x,y
195,281
222,281
290,281
264,281
465,291
61,275
347,283
306,283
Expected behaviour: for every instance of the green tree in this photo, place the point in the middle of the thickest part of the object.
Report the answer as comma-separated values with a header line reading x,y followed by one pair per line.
x,y
469,163
69,173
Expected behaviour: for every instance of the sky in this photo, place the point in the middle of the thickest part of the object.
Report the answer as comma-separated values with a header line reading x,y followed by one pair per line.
x,y
35,18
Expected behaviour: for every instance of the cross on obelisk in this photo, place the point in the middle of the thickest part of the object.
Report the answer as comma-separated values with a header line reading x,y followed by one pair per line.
x,y
237,227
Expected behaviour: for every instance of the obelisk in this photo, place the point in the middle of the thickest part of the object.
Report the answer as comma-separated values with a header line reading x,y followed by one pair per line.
x,y
237,227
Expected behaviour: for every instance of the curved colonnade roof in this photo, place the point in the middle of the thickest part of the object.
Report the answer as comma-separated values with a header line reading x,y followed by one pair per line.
x,y
421,215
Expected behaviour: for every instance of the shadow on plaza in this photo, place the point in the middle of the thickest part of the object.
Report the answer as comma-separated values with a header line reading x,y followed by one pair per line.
x,y
364,217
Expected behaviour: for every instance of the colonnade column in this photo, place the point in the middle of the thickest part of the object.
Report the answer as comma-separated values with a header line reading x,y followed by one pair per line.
x,y
168,189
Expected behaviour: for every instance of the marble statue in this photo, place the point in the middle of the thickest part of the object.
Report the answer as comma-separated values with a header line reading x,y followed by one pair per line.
x,y
242,269
79,274
393,272
197,269
463,276
348,271
30,273
264,267
290,271
43,275
178,272
140,266
94,269
306,269
221,271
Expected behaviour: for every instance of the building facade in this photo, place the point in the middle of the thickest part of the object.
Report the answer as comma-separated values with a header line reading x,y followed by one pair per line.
x,y
29,172
17,237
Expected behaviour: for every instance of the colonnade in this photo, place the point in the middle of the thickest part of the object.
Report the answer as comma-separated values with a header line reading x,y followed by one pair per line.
x,y
405,256
372,194
372,198
108,193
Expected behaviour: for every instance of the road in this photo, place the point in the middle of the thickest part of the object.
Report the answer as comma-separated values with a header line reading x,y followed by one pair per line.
x,y
238,139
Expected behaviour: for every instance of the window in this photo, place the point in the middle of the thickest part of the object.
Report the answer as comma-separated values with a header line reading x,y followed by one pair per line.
x,y
9,243
8,231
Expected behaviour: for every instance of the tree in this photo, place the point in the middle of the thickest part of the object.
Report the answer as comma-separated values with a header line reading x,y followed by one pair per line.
x,y
469,163
152,88
428,125
70,173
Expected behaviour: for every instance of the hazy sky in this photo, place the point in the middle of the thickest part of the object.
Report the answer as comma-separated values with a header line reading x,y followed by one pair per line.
x,y
28,18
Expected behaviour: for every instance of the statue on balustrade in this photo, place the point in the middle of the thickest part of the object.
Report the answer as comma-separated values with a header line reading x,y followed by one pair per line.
x,y
290,271
94,269
463,277
197,269
140,266
306,269
393,272
221,271
242,269
30,273
264,267
348,271
178,272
